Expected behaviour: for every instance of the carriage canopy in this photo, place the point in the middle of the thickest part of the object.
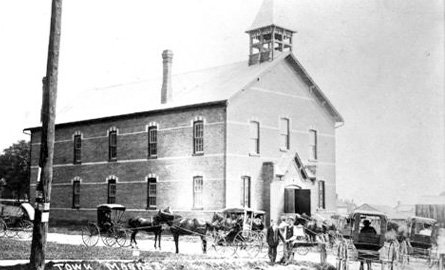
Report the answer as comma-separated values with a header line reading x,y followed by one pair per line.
x,y
109,213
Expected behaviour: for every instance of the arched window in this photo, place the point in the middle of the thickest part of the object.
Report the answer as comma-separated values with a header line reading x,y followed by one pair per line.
x,y
151,193
76,193
198,137
112,144
111,198
77,143
245,191
197,192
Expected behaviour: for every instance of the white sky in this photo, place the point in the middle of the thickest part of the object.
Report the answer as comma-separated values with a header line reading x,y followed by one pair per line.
x,y
381,63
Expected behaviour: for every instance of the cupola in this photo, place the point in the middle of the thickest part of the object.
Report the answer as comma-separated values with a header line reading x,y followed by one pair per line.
x,y
270,32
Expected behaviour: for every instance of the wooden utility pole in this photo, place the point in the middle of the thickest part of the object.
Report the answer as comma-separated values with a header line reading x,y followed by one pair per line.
x,y
48,115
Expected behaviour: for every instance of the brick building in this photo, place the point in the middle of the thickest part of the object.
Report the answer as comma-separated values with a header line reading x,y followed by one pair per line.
x,y
258,133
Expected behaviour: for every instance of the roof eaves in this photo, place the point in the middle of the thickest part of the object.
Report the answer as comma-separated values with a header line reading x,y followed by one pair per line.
x,y
325,102
135,114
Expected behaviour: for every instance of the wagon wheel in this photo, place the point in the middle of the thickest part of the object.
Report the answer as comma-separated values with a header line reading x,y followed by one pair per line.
x,y
121,237
246,244
109,237
431,261
90,235
3,228
222,246
25,229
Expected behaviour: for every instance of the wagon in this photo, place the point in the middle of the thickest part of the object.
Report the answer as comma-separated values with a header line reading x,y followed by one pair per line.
x,y
17,221
310,232
420,242
369,243
109,226
243,233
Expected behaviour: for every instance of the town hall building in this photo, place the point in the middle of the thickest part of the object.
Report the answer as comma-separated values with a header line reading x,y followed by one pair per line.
x,y
259,133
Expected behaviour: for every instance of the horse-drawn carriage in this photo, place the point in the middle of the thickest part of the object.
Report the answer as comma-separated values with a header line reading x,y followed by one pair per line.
x,y
17,221
420,240
369,242
110,226
238,231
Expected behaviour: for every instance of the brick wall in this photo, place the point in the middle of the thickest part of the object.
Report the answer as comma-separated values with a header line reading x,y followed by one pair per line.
x,y
280,92
174,167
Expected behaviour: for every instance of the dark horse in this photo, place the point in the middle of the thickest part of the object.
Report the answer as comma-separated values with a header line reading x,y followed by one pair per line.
x,y
184,226
141,224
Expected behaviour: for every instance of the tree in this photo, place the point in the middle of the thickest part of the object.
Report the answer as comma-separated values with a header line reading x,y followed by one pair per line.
x,y
14,169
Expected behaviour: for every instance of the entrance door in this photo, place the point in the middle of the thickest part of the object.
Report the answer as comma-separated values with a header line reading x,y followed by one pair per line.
x,y
297,201
303,201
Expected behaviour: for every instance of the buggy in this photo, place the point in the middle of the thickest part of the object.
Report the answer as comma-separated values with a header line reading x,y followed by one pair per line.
x,y
420,241
17,221
369,243
109,226
241,232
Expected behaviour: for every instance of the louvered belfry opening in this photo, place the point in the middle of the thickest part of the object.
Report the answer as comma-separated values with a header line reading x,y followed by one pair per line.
x,y
265,42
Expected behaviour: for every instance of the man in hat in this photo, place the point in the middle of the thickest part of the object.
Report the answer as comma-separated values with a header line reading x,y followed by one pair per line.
x,y
367,228
273,239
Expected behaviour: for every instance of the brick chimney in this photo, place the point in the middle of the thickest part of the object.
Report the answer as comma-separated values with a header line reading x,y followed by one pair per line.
x,y
166,90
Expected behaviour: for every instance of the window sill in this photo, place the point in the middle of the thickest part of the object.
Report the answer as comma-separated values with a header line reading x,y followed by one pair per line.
x,y
77,163
198,154
313,160
198,208
76,208
284,149
254,154
151,208
112,160
152,157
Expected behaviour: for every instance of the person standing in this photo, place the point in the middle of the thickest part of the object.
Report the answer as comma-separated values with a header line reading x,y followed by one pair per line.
x,y
273,237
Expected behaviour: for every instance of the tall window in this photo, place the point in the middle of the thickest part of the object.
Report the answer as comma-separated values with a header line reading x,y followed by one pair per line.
x,y
77,148
254,142
197,192
76,194
321,195
245,191
112,145
152,141
111,191
284,133
313,145
151,193
198,137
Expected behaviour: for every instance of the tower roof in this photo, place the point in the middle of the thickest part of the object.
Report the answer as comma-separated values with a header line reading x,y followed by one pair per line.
x,y
273,12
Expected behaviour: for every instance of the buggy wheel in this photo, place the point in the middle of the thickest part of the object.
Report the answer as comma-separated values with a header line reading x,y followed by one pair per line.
x,y
223,247
246,244
121,237
2,228
25,229
109,237
90,235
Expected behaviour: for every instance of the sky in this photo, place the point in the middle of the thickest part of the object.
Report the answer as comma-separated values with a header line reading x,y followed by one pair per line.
x,y
380,62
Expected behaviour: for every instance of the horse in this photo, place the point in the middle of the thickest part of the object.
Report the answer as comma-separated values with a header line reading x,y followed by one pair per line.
x,y
141,224
184,226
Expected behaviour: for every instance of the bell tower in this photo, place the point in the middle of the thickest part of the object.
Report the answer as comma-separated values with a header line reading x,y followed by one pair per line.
x,y
269,34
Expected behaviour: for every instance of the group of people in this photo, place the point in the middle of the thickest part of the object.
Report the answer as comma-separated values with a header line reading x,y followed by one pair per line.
x,y
286,231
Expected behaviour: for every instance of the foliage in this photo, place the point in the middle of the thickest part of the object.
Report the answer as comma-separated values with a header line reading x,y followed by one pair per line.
x,y
14,168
